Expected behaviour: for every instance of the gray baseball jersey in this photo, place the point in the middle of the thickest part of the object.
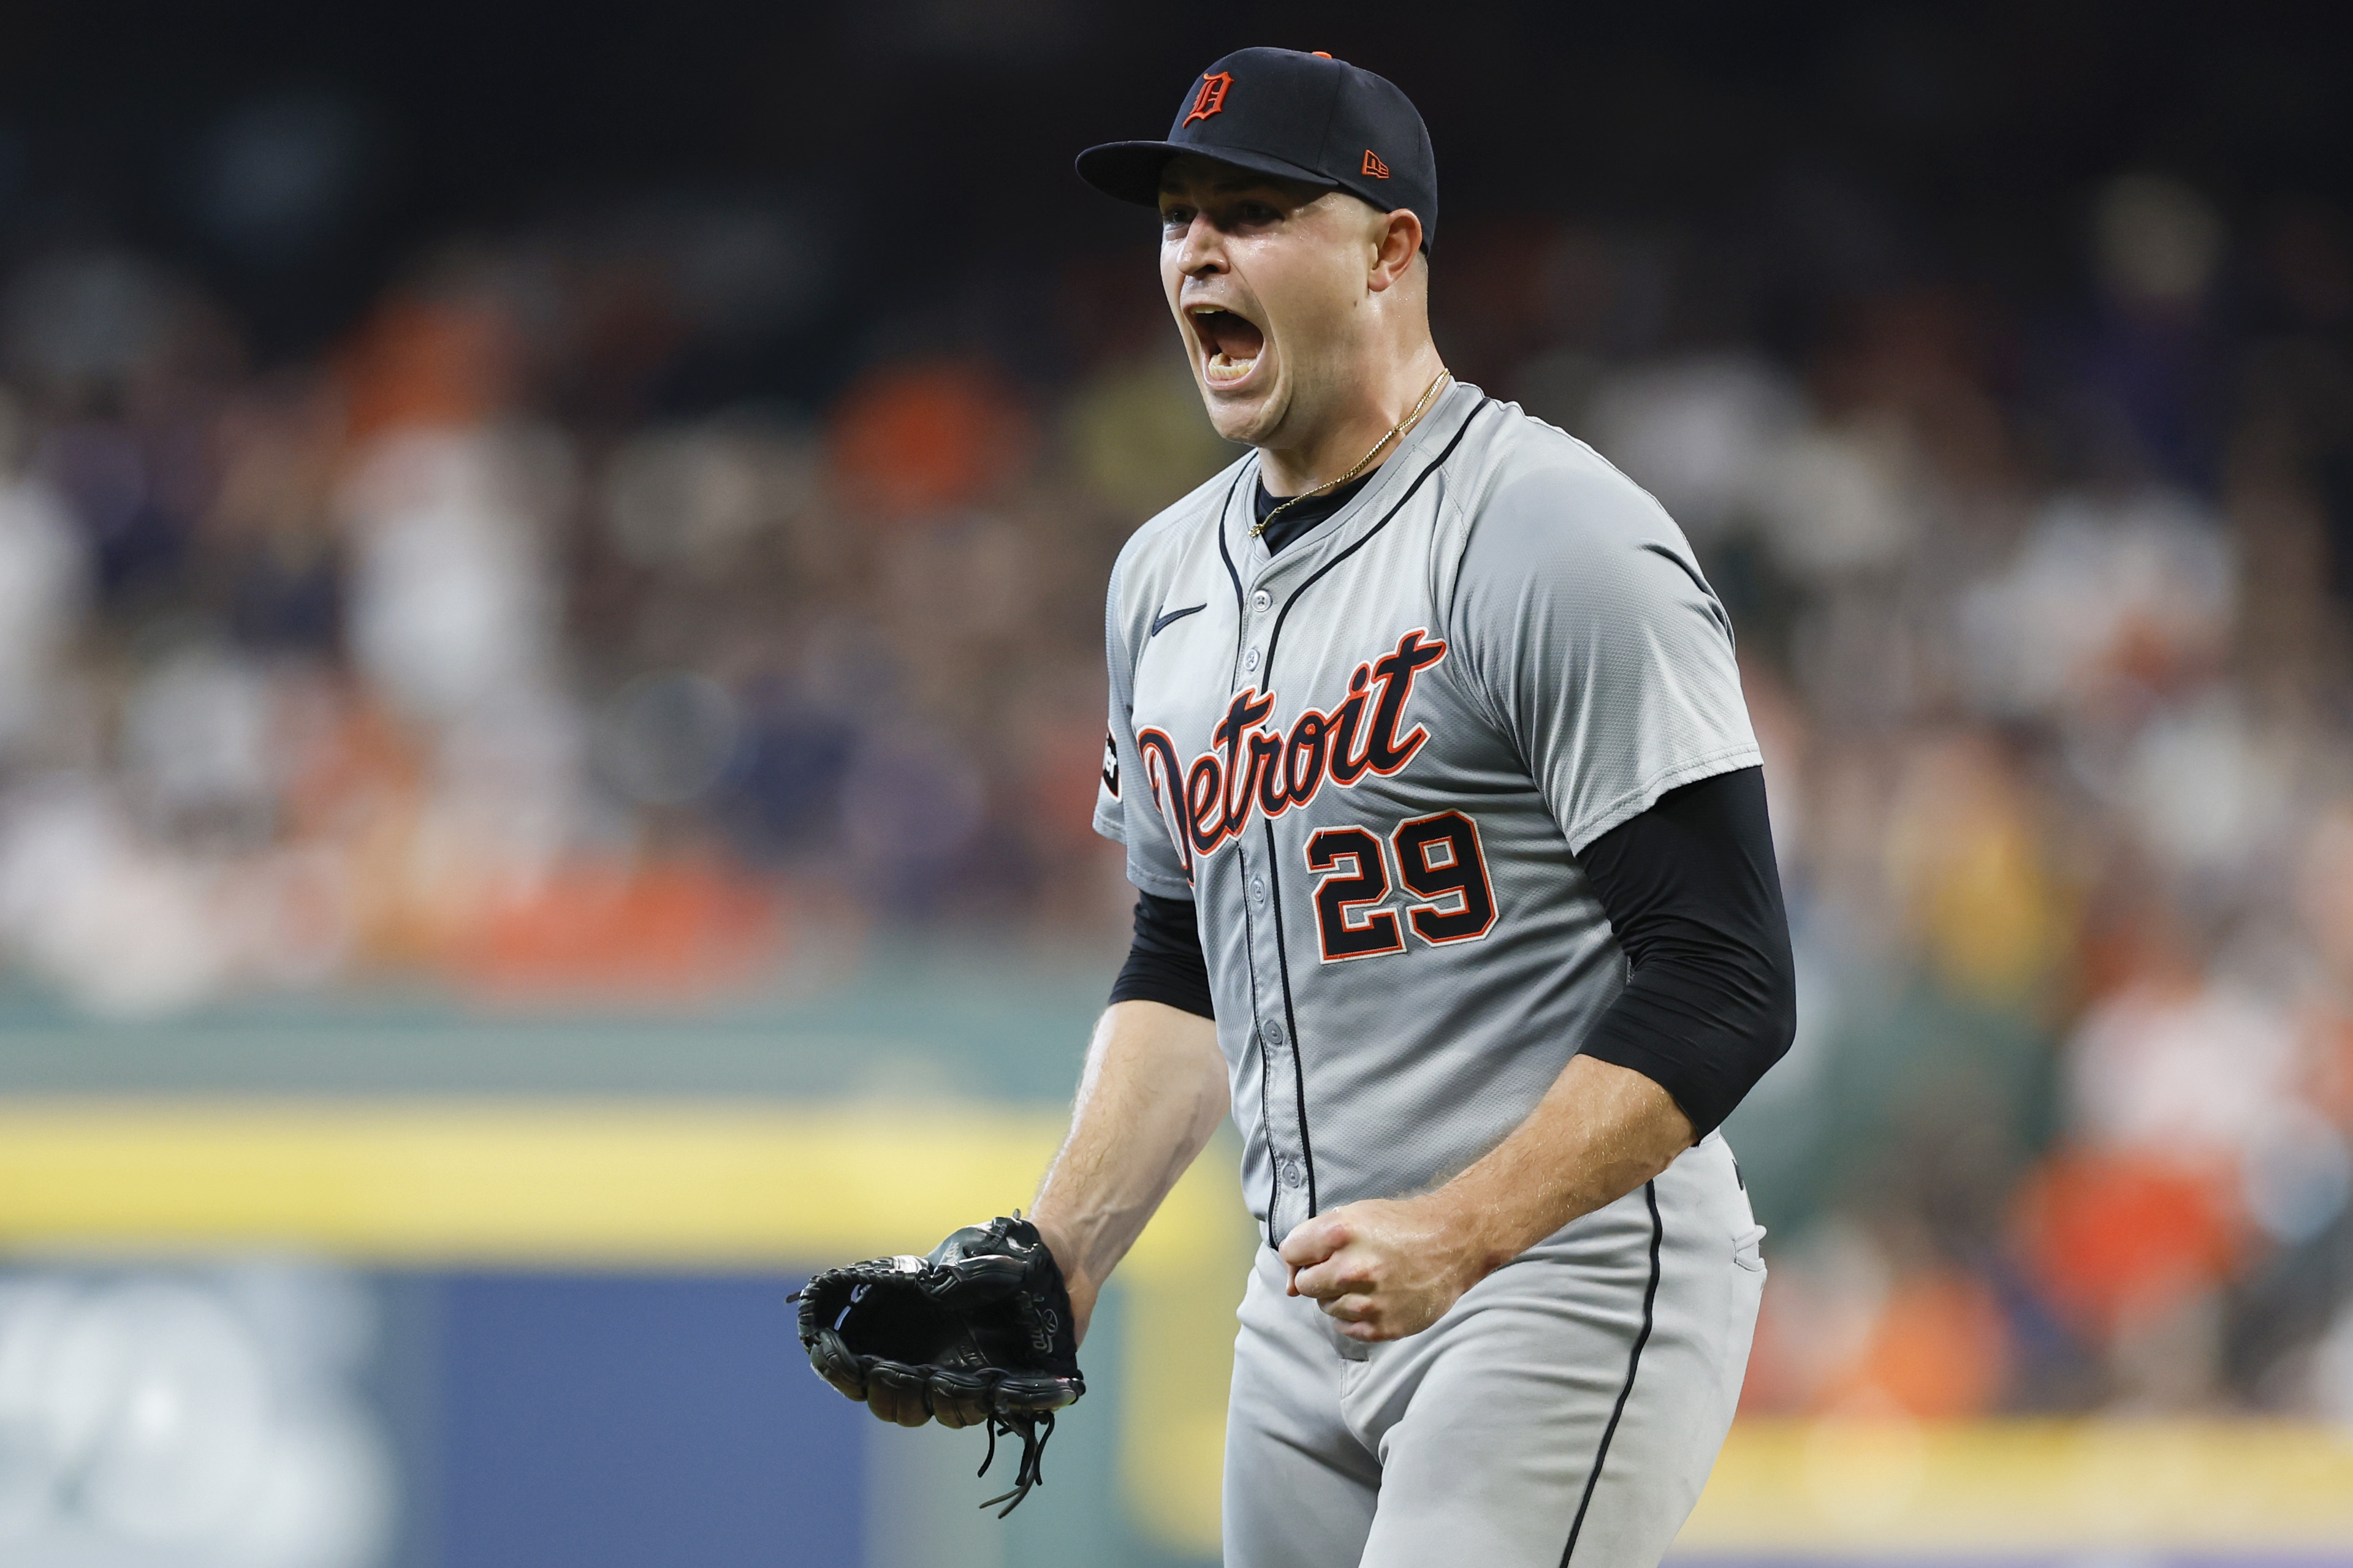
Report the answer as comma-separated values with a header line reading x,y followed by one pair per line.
x,y
1372,759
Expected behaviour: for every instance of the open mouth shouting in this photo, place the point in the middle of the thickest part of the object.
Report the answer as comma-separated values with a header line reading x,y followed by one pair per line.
x,y
1230,345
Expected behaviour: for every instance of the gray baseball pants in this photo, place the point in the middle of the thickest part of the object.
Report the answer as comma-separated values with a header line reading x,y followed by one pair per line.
x,y
1565,1411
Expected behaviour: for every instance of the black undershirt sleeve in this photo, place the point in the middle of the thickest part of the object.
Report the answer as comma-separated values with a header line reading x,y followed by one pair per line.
x,y
1165,964
1692,890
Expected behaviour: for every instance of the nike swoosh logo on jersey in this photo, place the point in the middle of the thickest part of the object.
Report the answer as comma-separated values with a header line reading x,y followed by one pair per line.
x,y
1158,622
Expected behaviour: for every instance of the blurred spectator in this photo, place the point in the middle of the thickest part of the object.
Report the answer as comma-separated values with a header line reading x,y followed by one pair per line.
x,y
927,439
41,584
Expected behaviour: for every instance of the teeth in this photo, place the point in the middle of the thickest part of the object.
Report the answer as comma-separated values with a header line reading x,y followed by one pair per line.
x,y
1221,368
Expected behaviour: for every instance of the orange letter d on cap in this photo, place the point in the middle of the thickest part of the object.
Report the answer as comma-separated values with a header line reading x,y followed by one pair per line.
x,y
1210,99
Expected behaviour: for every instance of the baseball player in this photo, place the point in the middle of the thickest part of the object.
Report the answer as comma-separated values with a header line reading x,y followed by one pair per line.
x,y
1455,886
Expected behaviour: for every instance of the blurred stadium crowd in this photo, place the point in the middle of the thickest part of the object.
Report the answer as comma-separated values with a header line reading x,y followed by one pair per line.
x,y
436,659
417,660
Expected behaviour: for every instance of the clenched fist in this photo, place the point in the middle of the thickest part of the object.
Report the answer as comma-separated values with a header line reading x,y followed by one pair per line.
x,y
1385,1267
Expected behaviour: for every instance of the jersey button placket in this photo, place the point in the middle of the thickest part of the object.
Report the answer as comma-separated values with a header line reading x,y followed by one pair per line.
x,y
1279,1107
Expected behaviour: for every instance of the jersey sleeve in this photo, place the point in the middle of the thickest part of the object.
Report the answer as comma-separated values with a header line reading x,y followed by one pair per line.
x,y
1125,812
1598,644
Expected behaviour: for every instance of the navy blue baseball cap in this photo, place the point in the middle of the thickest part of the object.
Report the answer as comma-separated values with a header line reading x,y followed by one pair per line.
x,y
1302,116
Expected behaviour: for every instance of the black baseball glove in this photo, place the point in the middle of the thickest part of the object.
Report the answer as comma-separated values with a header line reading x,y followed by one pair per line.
x,y
983,1322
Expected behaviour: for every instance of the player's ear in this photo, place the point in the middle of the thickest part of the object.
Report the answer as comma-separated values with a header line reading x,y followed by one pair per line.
x,y
1396,241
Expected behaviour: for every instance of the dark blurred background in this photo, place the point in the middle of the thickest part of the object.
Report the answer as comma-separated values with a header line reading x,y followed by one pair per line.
x,y
529,514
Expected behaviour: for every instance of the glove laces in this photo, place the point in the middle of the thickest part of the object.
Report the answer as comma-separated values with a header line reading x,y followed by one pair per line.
x,y
1031,1471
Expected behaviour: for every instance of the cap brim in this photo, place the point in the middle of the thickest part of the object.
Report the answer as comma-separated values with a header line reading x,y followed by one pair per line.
x,y
1130,170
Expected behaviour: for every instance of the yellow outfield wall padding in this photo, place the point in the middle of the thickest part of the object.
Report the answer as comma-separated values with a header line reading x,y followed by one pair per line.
x,y
2010,1485
555,1185
596,1184
601,1185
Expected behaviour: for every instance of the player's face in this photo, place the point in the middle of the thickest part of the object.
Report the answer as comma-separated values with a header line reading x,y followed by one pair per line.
x,y
1265,277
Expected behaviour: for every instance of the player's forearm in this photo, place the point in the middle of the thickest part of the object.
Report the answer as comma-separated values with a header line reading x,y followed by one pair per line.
x,y
1152,1092
1600,1131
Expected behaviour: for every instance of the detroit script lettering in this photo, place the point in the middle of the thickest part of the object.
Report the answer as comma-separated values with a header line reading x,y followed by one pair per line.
x,y
1251,768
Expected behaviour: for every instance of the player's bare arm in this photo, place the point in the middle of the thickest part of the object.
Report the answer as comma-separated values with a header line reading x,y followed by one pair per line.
x,y
1152,1092
1389,1268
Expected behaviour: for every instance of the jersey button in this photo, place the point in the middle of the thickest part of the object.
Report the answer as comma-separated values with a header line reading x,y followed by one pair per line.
x,y
1273,1033
1292,1176
1257,890
1262,601
1249,659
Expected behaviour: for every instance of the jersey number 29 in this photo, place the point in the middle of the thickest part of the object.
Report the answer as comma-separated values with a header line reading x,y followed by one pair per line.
x,y
1438,859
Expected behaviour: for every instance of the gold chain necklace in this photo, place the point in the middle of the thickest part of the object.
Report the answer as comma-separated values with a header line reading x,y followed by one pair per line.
x,y
1395,432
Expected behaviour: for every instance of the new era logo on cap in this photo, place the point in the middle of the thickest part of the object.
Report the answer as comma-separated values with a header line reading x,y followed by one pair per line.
x,y
1373,166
